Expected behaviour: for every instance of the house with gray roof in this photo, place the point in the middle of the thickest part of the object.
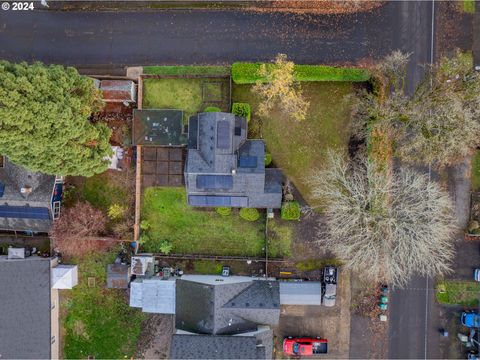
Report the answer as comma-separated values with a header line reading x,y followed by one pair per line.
x,y
29,201
29,326
224,168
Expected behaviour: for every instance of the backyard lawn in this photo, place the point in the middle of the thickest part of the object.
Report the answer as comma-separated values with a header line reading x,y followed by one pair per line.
x,y
197,231
192,95
98,321
300,147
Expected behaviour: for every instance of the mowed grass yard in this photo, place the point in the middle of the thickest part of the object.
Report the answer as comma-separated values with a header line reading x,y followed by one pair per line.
x,y
301,147
197,231
98,321
191,95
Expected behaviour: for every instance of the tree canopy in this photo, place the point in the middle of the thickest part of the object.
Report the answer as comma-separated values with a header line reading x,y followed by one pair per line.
x,y
44,120
386,228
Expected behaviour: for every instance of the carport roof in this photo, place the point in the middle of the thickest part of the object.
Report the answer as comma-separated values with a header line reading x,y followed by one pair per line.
x,y
158,127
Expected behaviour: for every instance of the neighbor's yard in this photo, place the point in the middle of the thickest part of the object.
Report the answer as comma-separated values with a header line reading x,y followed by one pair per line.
x,y
199,231
301,147
98,321
192,95
454,292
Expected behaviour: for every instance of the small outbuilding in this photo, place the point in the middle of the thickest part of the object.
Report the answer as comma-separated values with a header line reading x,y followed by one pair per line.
x,y
118,276
158,127
64,276
300,293
119,91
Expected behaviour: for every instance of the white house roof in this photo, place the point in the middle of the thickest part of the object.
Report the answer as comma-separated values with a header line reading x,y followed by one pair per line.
x,y
153,295
300,293
64,276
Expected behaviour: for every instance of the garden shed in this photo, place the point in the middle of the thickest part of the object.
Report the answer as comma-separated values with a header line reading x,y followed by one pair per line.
x,y
158,127
300,293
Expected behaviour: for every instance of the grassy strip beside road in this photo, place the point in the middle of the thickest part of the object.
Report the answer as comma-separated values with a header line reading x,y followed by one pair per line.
x,y
98,321
469,6
453,292
187,70
476,172
247,73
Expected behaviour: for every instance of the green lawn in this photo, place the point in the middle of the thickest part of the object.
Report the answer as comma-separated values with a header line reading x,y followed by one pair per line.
x,y
190,95
98,322
280,236
197,231
458,292
300,147
469,6
476,172
187,70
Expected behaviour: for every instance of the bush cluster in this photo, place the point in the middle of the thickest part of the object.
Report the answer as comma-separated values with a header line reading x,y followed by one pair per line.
x,y
247,73
224,211
290,210
242,109
249,214
212,109
268,159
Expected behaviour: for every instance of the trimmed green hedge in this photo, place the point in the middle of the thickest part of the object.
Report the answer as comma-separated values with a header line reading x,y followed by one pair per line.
x,y
186,70
212,109
249,214
224,211
247,73
242,109
290,210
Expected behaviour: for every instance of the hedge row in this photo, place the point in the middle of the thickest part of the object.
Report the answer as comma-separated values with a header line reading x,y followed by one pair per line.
x,y
242,109
186,70
247,73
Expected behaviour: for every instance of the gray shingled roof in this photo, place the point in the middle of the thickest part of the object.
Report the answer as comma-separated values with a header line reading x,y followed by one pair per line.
x,y
218,146
25,314
158,127
258,346
226,309
118,276
15,177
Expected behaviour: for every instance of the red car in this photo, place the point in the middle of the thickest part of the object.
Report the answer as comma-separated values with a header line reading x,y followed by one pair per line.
x,y
305,346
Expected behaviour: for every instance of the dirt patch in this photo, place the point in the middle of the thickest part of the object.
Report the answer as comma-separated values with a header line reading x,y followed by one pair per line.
x,y
119,123
454,28
319,6
332,323
154,340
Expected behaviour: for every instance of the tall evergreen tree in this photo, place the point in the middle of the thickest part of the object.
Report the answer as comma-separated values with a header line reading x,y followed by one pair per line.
x,y
44,120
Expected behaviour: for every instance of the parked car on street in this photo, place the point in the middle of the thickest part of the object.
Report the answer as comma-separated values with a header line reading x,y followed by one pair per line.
x,y
470,319
330,278
305,346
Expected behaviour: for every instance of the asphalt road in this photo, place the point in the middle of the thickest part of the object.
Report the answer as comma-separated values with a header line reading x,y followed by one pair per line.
x,y
207,36
118,39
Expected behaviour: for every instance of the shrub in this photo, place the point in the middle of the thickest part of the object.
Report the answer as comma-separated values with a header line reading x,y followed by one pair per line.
x,y
268,159
224,211
165,247
242,109
145,225
116,211
212,109
249,214
248,73
290,210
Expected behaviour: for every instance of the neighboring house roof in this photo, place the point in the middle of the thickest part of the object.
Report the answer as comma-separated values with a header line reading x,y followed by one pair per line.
x,y
300,293
153,295
118,90
26,200
26,308
224,168
158,127
206,305
118,276
184,346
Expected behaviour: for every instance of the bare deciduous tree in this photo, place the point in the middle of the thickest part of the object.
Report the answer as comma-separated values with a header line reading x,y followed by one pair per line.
x,y
386,228
280,87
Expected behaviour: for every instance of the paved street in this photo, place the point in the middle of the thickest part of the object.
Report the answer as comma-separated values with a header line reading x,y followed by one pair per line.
x,y
216,36
208,37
